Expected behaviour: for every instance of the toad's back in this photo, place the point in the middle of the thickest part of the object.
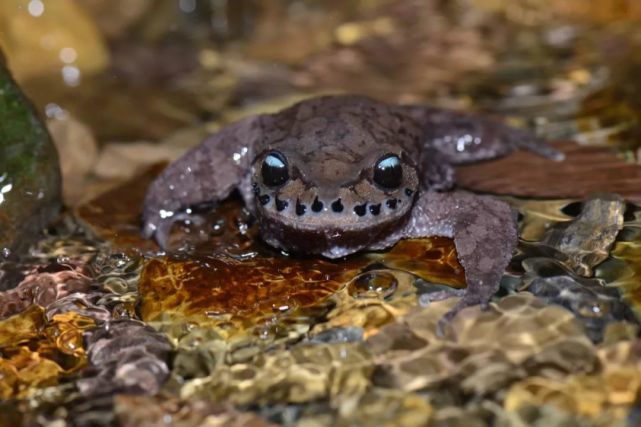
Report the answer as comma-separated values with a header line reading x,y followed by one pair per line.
x,y
333,138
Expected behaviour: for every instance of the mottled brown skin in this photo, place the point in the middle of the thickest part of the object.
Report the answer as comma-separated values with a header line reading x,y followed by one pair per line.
x,y
331,146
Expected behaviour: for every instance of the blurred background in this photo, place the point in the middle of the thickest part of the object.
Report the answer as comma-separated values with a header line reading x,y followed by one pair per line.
x,y
127,83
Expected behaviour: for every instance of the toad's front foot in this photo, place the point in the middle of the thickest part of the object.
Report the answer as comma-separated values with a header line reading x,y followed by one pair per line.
x,y
484,230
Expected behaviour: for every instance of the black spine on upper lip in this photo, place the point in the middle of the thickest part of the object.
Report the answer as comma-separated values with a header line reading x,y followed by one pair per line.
x,y
337,206
360,210
263,199
375,209
255,188
300,208
391,203
280,204
317,206
409,192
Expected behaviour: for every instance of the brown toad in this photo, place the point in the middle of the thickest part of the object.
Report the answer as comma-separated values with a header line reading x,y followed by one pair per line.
x,y
337,174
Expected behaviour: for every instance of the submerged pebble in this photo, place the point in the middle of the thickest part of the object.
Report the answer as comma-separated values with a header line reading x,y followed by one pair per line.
x,y
585,241
595,304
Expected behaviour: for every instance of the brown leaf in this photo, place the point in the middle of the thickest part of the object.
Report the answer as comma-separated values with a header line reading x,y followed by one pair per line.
x,y
585,170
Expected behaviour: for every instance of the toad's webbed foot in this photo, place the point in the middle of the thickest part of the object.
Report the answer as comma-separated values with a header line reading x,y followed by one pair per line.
x,y
207,173
484,230
161,228
466,138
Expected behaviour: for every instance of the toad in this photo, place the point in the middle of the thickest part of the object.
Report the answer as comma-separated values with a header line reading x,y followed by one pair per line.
x,y
335,175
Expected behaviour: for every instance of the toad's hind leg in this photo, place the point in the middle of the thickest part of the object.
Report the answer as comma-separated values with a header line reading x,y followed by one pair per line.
x,y
466,138
484,230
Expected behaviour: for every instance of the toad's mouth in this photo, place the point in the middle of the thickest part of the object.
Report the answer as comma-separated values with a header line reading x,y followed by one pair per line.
x,y
332,241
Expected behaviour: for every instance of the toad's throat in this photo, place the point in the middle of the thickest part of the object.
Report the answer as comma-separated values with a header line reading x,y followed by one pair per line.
x,y
329,241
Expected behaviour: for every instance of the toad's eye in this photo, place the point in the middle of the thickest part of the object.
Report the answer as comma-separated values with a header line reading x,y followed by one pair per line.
x,y
274,169
388,172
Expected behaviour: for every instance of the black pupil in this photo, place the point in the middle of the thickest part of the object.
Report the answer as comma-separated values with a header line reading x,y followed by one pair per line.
x,y
274,170
388,172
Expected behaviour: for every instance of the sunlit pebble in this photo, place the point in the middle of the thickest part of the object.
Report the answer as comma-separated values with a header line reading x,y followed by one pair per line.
x,y
36,8
187,6
71,75
68,55
54,111
523,90
283,308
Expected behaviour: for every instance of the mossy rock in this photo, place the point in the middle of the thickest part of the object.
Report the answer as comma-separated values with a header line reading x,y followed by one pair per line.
x,y
30,182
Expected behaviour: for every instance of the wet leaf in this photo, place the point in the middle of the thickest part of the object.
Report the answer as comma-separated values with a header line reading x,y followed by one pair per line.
x,y
585,170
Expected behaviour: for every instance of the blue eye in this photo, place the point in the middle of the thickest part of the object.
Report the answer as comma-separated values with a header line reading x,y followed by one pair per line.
x,y
388,172
274,169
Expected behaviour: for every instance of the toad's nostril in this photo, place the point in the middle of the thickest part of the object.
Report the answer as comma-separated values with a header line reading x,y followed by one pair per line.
x,y
263,199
